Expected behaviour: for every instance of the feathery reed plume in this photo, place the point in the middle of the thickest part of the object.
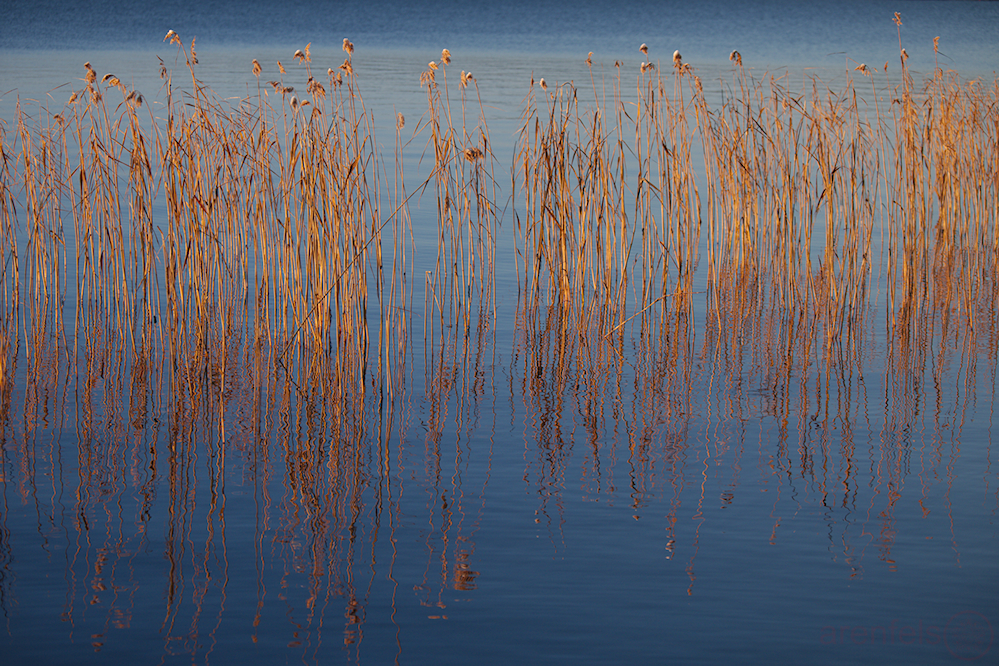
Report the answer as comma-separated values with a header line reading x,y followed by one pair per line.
x,y
735,57
445,57
315,88
256,68
677,59
644,48
348,46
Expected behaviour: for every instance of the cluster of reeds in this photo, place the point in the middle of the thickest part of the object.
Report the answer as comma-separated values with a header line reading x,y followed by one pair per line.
x,y
460,284
805,195
209,229
818,208
225,259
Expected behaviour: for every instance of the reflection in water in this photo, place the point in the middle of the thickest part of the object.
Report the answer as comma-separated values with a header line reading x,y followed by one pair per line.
x,y
662,420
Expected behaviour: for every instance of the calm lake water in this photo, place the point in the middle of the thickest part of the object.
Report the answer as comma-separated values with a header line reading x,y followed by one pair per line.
x,y
524,495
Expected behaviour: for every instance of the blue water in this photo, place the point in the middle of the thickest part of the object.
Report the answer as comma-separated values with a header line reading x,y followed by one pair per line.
x,y
531,509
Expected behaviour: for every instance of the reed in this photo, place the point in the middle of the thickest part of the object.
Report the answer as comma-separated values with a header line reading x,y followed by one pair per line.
x,y
463,181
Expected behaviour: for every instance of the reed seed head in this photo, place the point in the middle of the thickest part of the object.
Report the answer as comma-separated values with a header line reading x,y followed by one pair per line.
x,y
544,86
432,65
299,55
319,90
897,19
315,88
445,57
256,68
348,46
905,55
936,44
347,67
400,121
473,154
677,58
73,97
735,57
644,48
589,59
281,67
170,35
